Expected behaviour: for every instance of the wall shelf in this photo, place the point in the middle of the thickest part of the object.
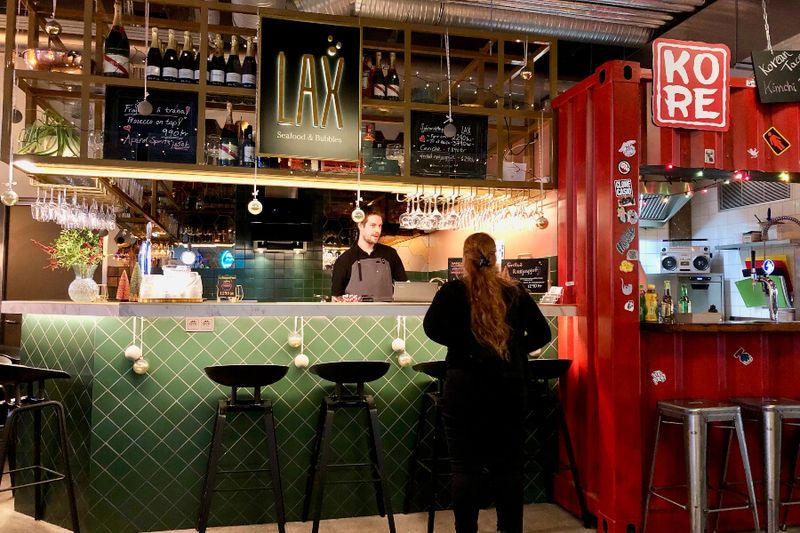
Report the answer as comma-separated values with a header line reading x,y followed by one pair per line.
x,y
759,244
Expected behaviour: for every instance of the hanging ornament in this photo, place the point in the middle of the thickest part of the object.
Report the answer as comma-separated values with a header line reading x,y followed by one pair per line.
x,y
16,116
52,26
133,353
9,196
301,359
526,73
358,215
398,344
141,366
541,220
295,340
144,107
450,130
404,359
255,207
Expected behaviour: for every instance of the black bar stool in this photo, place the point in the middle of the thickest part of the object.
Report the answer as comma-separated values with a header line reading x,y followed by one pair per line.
x,y
341,373
235,377
431,401
540,371
13,377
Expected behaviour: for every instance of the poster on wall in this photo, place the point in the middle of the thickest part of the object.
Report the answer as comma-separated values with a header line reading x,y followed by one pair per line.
x,y
434,154
691,85
309,90
533,273
777,75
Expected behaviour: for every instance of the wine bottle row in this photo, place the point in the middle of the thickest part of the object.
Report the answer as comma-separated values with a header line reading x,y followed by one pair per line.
x,y
236,144
184,68
379,79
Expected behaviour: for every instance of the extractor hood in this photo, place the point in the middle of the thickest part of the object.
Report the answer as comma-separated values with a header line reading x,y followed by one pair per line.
x,y
656,209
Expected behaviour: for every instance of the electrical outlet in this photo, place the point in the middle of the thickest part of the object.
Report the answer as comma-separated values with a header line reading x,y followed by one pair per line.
x,y
194,324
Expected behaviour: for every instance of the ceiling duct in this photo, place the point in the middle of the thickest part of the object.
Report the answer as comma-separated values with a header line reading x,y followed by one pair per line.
x,y
562,22
657,209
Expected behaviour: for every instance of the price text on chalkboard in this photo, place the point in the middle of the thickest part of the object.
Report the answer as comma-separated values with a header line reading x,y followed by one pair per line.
x,y
433,154
169,133
455,268
226,287
777,75
534,274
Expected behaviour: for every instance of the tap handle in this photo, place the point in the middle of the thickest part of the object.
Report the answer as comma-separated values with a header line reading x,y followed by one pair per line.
x,y
769,214
753,261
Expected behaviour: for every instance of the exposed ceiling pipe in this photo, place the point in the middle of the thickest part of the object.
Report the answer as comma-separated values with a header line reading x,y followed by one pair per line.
x,y
485,17
671,6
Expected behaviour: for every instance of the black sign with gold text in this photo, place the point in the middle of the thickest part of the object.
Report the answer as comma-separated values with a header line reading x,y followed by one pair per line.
x,y
310,88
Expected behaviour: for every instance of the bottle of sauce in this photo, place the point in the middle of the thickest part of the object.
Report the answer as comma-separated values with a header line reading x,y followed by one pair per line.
x,y
651,304
667,308
684,303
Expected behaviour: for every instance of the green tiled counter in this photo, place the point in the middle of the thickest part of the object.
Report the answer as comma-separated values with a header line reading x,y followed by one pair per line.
x,y
140,442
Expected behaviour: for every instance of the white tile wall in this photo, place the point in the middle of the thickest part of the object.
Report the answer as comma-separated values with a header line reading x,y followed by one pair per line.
x,y
722,228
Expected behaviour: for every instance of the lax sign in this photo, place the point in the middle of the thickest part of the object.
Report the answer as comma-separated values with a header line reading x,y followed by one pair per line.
x,y
691,85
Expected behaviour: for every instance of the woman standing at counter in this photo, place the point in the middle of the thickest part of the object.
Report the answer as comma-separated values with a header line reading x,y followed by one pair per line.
x,y
489,325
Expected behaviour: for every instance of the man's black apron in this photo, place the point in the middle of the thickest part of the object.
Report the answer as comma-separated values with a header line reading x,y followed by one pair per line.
x,y
372,280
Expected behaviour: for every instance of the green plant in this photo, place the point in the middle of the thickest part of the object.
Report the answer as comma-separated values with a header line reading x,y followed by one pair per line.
x,y
74,248
50,135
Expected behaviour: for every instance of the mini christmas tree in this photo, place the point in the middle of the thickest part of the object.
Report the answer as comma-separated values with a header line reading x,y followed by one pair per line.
x,y
136,282
124,288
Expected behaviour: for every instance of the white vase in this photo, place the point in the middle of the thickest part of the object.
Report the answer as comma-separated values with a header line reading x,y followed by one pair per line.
x,y
83,288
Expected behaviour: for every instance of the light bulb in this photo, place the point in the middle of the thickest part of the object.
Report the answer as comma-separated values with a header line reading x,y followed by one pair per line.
x,y
9,197
188,257
255,207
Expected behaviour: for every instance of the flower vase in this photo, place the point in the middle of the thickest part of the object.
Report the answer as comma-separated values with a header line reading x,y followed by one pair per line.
x,y
84,288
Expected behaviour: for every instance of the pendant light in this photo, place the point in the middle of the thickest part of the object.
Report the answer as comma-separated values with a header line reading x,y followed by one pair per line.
x,y
541,220
358,215
144,107
450,130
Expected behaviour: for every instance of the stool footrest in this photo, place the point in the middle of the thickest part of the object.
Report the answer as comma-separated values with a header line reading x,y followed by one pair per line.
x,y
348,465
244,489
250,471
58,477
353,482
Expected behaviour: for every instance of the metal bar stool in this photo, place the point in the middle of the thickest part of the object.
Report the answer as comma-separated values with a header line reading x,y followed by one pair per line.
x,y
540,371
235,377
694,416
341,373
431,401
13,377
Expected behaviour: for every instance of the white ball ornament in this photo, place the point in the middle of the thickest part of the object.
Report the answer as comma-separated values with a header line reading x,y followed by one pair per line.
x,y
301,360
404,359
398,345
133,353
255,207
9,197
144,108
294,340
141,366
358,215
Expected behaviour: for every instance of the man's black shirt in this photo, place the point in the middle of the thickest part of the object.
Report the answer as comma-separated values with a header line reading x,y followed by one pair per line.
x,y
344,265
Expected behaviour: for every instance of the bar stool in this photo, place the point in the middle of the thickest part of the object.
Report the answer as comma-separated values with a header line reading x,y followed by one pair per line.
x,y
694,416
431,401
13,377
540,372
341,373
772,413
235,377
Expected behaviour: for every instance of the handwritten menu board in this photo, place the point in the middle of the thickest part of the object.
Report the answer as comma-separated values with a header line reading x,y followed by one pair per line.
x,y
433,154
777,75
455,268
169,133
534,274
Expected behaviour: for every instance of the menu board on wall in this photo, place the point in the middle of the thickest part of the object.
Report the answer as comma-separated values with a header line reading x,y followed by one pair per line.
x,y
309,100
455,268
433,154
534,274
169,133
777,75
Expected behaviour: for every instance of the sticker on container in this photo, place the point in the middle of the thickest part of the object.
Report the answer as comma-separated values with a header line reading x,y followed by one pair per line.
x,y
625,240
632,255
623,187
622,216
628,148
626,266
709,156
627,288
752,152
768,266
658,377
630,306
743,356
776,141
632,216
624,167
626,201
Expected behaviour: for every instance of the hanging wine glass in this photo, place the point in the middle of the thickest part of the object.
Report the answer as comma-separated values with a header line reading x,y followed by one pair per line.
x,y
405,218
436,216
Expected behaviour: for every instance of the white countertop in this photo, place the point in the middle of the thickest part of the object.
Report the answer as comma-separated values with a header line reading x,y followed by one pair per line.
x,y
227,309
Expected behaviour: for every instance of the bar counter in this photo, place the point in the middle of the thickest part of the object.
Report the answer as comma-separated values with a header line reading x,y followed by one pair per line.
x,y
141,442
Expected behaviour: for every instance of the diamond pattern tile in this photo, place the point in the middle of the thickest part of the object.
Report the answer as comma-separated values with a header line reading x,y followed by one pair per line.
x,y
141,442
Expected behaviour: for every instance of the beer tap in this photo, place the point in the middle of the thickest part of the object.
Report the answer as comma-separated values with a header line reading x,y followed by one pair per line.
x,y
770,287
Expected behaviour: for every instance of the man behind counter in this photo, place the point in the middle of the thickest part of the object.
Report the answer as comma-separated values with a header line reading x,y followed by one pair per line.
x,y
368,268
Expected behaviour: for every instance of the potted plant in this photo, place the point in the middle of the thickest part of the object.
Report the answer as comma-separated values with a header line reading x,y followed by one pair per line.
x,y
81,250
50,135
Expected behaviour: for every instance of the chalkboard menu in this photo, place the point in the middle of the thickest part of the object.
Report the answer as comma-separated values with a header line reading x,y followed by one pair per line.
x,y
777,75
532,273
169,133
455,268
433,154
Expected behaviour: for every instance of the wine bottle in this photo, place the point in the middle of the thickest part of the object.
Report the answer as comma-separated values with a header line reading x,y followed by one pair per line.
x,y
392,80
117,49
186,60
154,57
248,149
229,143
366,76
196,67
217,64
169,67
233,69
378,79
249,68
